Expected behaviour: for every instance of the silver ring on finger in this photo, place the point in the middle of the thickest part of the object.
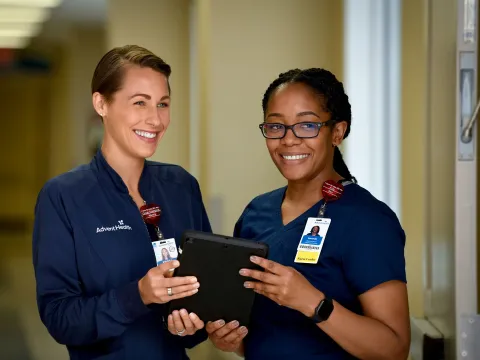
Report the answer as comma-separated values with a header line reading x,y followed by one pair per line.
x,y
180,333
169,291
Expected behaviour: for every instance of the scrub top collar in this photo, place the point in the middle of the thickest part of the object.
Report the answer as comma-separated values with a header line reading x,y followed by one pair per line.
x,y
108,176
277,203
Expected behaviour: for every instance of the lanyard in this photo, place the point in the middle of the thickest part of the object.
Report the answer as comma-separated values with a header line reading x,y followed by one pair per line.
x,y
151,215
332,191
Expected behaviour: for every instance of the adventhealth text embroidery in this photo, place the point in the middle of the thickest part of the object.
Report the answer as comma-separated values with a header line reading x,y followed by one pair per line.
x,y
120,226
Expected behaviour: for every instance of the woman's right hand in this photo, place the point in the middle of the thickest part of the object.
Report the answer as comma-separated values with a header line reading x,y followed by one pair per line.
x,y
227,337
154,285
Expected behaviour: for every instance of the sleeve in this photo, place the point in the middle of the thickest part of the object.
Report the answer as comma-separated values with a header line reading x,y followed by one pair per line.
x,y
374,251
71,317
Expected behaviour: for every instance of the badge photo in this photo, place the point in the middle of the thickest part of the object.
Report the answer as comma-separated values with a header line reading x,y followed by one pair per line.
x,y
165,250
312,240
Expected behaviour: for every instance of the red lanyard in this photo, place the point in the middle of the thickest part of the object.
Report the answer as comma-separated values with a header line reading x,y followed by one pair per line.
x,y
331,191
151,215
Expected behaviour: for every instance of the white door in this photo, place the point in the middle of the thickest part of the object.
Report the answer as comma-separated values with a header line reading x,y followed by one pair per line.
x,y
451,186
467,322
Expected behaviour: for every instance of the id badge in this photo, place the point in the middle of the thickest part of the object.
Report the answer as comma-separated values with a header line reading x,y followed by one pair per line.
x,y
312,240
165,250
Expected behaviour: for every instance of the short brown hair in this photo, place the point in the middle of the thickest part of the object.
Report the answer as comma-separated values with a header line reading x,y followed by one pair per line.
x,y
108,75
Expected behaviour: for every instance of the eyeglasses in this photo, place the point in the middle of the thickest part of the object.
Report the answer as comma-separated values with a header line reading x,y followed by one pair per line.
x,y
302,130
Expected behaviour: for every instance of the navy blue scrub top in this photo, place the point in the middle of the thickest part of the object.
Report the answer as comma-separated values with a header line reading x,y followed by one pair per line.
x,y
90,248
363,248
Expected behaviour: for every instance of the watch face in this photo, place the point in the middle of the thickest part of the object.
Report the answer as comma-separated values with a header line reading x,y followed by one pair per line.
x,y
323,311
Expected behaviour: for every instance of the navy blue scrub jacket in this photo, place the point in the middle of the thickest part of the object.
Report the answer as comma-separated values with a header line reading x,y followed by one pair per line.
x,y
90,248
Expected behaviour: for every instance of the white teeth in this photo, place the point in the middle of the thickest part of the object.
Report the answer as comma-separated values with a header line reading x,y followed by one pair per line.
x,y
295,157
145,134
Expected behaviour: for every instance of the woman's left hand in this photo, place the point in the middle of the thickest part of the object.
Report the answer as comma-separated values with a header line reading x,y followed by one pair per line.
x,y
182,323
284,285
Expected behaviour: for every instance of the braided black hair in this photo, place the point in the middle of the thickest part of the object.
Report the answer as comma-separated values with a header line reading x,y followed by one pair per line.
x,y
335,102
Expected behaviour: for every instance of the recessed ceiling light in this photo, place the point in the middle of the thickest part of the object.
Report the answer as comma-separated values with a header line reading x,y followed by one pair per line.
x,y
33,3
16,14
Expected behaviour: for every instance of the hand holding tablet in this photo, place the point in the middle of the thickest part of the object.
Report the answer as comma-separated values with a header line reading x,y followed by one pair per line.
x,y
227,337
182,323
159,287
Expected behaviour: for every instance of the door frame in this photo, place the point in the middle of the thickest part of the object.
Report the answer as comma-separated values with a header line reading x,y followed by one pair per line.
x,y
466,284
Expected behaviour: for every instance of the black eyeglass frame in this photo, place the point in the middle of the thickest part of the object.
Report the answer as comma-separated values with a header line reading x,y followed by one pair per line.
x,y
319,125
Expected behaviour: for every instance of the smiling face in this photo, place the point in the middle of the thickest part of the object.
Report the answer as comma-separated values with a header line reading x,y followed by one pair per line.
x,y
299,159
138,114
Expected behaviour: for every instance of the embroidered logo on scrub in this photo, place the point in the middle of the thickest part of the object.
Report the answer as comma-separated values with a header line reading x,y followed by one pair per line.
x,y
120,226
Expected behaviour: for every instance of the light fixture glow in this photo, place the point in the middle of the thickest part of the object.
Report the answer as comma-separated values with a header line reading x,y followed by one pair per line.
x,y
21,20
13,42
16,14
19,29
31,3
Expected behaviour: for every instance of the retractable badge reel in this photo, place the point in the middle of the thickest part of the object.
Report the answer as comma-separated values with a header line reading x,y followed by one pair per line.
x,y
164,249
313,237
331,191
151,215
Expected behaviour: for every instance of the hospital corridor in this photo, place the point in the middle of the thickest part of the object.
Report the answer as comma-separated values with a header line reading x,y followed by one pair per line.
x,y
287,120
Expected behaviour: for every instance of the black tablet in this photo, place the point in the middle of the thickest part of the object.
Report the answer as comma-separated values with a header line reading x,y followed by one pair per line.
x,y
216,261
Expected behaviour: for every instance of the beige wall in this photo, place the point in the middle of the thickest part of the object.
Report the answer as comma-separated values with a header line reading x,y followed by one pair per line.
x,y
428,157
86,46
69,99
441,156
61,132
23,152
414,135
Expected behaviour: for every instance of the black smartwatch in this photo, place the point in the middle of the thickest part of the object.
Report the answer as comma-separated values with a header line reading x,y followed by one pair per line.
x,y
323,311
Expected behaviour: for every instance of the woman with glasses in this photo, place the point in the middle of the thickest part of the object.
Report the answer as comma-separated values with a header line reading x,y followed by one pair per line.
x,y
344,297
